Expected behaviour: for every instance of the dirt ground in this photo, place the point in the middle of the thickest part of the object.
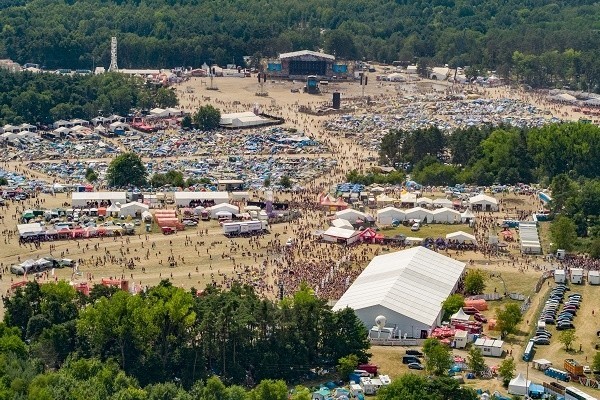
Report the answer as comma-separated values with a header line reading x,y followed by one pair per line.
x,y
204,255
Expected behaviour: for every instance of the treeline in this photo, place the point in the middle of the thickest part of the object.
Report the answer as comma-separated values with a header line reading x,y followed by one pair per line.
x,y
488,155
45,98
168,33
165,335
578,202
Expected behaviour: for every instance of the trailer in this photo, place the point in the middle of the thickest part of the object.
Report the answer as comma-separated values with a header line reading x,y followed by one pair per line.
x,y
231,228
243,228
573,367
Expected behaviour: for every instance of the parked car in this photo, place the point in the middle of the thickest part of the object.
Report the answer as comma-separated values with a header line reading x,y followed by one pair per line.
x,y
587,369
541,340
416,366
417,353
564,325
470,310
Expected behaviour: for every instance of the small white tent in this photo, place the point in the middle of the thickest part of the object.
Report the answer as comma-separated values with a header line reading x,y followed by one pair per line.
x,y
518,385
467,216
460,315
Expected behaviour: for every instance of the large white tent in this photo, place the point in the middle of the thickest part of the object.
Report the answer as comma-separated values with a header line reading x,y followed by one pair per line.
x,y
408,199
133,208
223,207
424,202
518,385
342,223
442,203
445,215
81,199
419,213
407,287
387,215
351,215
461,237
483,202
340,235
183,199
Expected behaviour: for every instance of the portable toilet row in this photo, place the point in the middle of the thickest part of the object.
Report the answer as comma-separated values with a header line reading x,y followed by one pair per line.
x,y
576,276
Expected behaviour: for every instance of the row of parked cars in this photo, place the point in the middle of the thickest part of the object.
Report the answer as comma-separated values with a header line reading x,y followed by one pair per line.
x,y
552,315
413,359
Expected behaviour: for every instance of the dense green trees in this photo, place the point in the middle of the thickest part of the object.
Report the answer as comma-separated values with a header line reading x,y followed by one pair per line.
x,y
207,118
508,317
45,98
452,304
126,170
475,281
487,155
576,205
419,387
438,357
538,42
169,335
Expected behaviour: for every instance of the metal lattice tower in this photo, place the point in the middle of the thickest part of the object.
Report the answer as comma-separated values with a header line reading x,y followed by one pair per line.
x,y
113,55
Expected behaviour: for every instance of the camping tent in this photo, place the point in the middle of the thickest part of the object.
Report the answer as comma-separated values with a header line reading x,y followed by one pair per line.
x,y
518,385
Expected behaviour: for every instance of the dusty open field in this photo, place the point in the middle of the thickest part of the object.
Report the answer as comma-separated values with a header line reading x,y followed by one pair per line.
x,y
203,254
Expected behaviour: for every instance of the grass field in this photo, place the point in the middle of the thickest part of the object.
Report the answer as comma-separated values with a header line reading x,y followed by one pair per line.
x,y
432,230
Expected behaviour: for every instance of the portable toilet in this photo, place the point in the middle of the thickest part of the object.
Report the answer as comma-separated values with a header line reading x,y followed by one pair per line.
x,y
594,277
560,254
559,276
577,276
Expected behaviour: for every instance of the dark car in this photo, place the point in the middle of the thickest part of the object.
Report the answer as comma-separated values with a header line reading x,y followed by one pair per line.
x,y
414,353
416,366
470,310
541,340
563,326
480,317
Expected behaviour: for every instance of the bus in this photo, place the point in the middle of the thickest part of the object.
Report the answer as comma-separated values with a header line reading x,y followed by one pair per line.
x,y
572,393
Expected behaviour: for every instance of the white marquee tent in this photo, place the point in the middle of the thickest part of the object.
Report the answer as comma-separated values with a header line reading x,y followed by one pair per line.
x,y
133,208
407,287
387,215
351,215
419,213
442,203
223,207
445,215
461,237
342,223
483,202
